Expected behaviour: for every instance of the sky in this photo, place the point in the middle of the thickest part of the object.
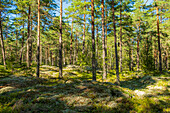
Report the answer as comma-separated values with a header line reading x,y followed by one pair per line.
x,y
67,4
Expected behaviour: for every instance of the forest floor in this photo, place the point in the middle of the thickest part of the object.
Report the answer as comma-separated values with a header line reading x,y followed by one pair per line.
x,y
21,91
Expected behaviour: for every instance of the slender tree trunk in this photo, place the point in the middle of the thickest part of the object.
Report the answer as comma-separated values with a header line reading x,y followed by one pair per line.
x,y
77,54
103,41
159,47
93,42
28,36
97,53
155,55
120,35
2,42
64,58
84,31
129,55
38,41
138,35
30,43
71,45
115,42
132,55
60,43
106,39
16,42
46,60
21,55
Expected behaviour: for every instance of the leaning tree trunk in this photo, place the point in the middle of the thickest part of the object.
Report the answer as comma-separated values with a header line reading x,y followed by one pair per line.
x,y
93,42
2,42
60,43
159,47
115,42
38,41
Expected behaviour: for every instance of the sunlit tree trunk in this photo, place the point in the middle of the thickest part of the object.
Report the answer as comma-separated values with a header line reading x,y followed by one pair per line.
x,y
115,42
93,42
103,41
22,45
138,35
120,35
28,37
38,41
60,43
2,42
159,47
84,28
71,45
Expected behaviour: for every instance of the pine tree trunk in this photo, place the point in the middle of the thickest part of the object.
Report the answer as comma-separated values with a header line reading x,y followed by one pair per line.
x,y
103,41
159,47
120,35
129,55
71,45
22,45
97,53
138,35
28,37
84,28
38,41
93,42
60,43
106,39
132,55
115,42
2,42
155,55
64,56
16,42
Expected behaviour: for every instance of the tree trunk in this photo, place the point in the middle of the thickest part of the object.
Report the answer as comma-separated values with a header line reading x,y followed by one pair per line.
x,y
2,42
28,37
93,42
16,42
159,47
38,41
132,55
120,35
115,42
60,43
71,45
84,31
129,55
97,54
103,41
64,59
138,35
21,55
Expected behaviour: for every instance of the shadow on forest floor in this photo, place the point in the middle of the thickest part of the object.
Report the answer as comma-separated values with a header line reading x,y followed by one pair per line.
x,y
138,83
77,93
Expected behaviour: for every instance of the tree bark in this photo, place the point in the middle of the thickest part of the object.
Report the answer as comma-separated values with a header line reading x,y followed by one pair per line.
x,y
71,45
28,37
60,43
38,41
103,41
120,35
93,42
22,45
84,30
115,42
159,47
2,42
138,35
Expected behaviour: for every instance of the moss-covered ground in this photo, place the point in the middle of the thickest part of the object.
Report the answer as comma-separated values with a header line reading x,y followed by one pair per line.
x,y
139,92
